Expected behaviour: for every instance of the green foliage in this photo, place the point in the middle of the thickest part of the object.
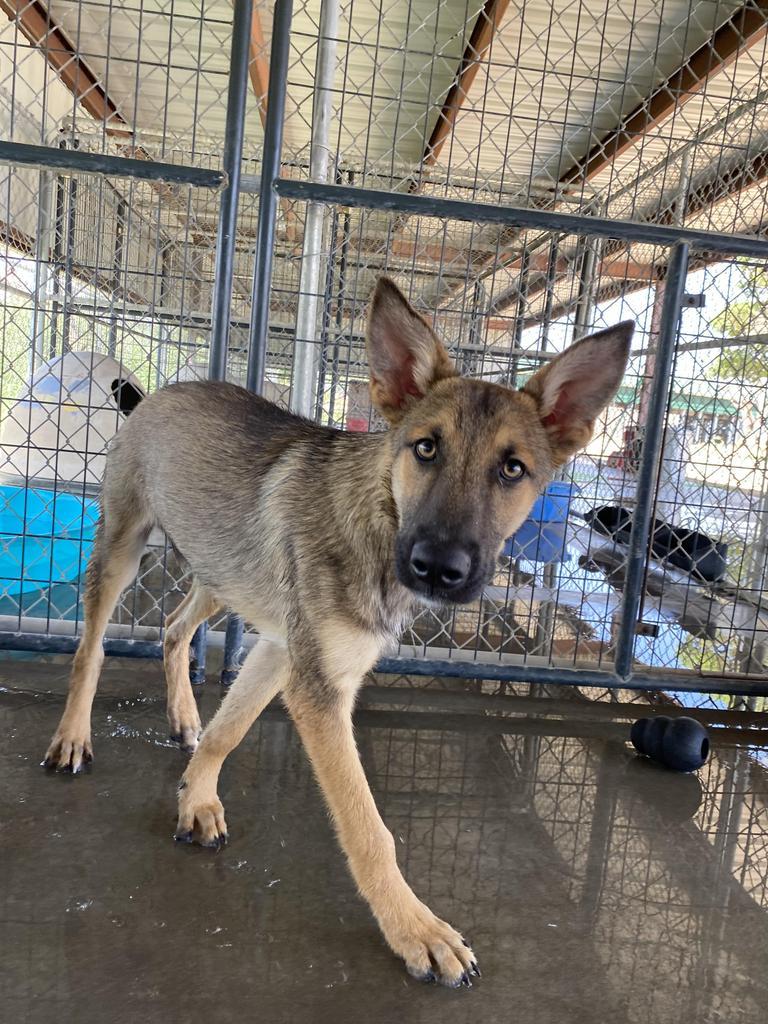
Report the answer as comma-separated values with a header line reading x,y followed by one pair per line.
x,y
746,315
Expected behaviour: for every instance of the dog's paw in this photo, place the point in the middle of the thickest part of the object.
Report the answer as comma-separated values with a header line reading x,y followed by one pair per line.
x,y
70,750
432,949
185,727
201,819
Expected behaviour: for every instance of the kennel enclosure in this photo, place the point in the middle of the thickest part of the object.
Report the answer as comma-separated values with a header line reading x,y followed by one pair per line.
x,y
194,190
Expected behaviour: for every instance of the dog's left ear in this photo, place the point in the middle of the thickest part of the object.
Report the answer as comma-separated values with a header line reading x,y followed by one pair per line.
x,y
404,354
576,386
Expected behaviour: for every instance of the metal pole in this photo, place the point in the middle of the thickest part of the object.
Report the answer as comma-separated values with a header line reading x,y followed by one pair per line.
x,y
522,301
233,650
306,355
60,158
341,295
69,257
237,97
270,170
649,459
117,272
43,259
549,293
265,242
325,330
586,300
520,217
240,57
198,649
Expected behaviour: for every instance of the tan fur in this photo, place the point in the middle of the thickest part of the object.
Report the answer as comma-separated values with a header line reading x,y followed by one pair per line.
x,y
180,626
311,535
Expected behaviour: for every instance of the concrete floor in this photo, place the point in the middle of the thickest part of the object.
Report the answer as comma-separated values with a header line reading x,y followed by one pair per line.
x,y
594,888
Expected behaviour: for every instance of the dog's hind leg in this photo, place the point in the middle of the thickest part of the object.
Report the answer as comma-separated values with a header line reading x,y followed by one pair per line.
x,y
263,675
113,564
183,718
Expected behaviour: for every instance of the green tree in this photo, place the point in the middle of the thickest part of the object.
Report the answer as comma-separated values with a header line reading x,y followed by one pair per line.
x,y
746,315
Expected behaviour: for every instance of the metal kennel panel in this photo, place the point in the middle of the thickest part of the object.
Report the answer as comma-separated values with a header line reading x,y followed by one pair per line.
x,y
213,192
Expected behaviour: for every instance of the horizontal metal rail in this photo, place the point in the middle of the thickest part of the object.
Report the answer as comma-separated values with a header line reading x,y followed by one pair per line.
x,y
105,163
514,216
508,673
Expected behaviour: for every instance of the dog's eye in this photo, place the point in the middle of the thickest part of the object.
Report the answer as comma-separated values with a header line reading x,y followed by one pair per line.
x,y
511,470
425,450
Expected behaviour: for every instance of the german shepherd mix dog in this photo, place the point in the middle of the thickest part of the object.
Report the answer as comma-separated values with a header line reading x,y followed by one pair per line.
x,y
328,542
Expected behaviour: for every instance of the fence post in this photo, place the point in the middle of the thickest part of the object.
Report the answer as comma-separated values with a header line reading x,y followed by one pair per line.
x,y
649,458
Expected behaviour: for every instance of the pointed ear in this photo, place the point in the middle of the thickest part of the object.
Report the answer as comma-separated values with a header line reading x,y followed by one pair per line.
x,y
404,354
576,386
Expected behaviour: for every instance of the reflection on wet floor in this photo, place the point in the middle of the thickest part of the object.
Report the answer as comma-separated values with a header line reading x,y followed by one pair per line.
x,y
593,887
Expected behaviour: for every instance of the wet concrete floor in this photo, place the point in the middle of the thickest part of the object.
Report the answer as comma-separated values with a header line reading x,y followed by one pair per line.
x,y
593,888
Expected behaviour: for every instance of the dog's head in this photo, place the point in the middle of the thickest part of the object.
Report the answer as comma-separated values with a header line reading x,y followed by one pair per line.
x,y
471,457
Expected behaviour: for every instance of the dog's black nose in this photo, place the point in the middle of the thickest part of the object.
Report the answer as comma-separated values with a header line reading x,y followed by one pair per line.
x,y
445,566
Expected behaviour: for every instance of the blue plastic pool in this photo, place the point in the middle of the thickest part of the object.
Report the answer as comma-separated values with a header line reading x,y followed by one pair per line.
x,y
45,537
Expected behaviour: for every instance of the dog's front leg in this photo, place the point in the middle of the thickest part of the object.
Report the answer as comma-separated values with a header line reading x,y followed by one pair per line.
x,y
429,946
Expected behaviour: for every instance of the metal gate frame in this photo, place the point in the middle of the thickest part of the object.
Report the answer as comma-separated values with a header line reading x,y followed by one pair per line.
x,y
271,187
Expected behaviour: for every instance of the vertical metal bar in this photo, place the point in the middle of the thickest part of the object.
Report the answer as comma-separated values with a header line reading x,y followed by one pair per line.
x,y
43,260
649,458
340,299
240,56
117,272
221,313
322,369
69,256
522,302
265,240
473,356
306,355
549,294
270,171
233,650
586,300
197,652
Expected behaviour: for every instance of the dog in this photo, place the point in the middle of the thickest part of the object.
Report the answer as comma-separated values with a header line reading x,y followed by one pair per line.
x,y
328,542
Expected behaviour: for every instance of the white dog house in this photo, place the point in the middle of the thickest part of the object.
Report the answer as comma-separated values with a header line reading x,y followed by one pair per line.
x,y
58,431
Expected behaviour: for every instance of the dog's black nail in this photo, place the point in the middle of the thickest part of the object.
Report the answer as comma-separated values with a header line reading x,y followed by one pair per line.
x,y
224,838
467,944
475,969
183,837
465,980
182,785
428,977
176,737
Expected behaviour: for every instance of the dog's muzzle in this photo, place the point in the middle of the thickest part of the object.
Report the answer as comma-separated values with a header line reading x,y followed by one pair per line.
x,y
440,570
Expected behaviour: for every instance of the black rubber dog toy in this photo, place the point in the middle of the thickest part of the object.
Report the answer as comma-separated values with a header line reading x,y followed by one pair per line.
x,y
681,744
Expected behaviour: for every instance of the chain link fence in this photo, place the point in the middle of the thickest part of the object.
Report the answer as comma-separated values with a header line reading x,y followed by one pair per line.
x,y
525,173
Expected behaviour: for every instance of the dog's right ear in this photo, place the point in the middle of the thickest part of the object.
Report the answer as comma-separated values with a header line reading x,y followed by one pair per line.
x,y
404,354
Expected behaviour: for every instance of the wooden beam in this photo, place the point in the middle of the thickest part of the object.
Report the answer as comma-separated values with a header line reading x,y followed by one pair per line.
x,y
18,240
35,22
746,27
483,32
258,68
